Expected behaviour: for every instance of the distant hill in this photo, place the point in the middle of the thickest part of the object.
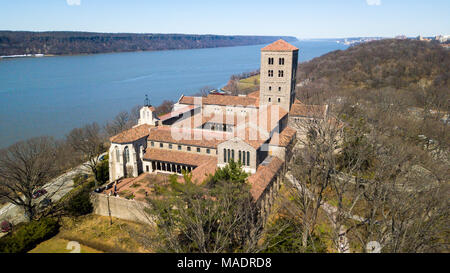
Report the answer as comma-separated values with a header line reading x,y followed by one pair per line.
x,y
391,63
64,43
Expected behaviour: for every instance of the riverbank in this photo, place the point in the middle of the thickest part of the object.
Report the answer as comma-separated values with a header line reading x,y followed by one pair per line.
x,y
26,56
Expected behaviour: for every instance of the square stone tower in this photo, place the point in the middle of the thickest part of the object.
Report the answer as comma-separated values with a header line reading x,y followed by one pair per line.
x,y
278,74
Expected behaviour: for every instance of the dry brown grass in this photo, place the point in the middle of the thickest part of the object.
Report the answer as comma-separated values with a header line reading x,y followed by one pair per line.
x,y
96,232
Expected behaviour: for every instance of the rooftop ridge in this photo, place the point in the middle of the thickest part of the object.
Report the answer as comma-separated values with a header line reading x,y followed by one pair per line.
x,y
280,45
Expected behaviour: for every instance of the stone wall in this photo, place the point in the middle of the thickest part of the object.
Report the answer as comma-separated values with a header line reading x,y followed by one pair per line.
x,y
275,87
120,208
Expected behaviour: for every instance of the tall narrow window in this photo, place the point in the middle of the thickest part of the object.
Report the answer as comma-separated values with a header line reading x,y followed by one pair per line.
x,y
228,154
126,152
243,157
232,154
270,60
248,158
280,73
270,99
279,88
117,154
281,61
270,73
270,88
224,155
279,100
240,156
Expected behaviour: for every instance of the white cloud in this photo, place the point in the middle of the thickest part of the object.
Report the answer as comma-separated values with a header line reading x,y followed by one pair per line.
x,y
73,2
373,2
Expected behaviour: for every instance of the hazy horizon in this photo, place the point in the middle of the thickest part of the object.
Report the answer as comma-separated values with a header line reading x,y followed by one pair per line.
x,y
298,18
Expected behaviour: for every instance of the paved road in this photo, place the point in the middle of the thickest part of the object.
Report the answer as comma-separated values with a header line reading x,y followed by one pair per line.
x,y
56,189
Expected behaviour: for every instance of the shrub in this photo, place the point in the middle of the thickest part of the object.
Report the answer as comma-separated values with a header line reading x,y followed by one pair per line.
x,y
6,226
79,179
79,204
29,235
103,171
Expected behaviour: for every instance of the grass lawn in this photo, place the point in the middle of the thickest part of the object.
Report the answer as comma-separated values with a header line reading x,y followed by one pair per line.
x,y
95,234
249,84
58,245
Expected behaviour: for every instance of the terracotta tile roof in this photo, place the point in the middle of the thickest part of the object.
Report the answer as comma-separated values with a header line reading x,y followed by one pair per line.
x,y
254,94
264,174
223,100
186,158
200,173
309,111
186,100
283,138
132,134
280,45
188,136
177,112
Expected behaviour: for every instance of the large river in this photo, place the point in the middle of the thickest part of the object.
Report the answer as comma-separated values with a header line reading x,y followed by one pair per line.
x,y
52,95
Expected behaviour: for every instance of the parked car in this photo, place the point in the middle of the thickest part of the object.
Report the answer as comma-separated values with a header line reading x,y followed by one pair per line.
x,y
39,193
6,226
46,202
99,190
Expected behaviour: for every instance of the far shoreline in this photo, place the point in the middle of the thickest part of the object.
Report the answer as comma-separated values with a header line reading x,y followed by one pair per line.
x,y
25,56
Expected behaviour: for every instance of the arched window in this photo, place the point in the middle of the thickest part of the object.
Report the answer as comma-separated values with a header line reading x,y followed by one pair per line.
x,y
248,158
117,154
126,153
141,151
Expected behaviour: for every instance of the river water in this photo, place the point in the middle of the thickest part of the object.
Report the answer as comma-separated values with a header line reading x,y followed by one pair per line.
x,y
52,95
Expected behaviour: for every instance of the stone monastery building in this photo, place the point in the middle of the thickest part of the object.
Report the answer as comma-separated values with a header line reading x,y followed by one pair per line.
x,y
204,133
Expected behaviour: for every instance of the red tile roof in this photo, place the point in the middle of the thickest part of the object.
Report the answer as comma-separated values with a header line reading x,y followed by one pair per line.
x,y
212,99
280,45
309,111
284,138
188,136
260,180
186,158
200,173
132,134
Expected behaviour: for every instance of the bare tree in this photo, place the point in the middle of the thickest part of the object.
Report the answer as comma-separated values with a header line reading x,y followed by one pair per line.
x,y
90,143
119,124
26,167
312,167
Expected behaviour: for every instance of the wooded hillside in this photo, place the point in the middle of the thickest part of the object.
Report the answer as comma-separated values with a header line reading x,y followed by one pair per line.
x,y
62,43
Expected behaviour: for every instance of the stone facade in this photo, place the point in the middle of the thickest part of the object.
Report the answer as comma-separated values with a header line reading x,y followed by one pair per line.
x,y
278,77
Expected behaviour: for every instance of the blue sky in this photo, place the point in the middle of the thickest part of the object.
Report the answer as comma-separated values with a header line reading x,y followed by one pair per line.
x,y
303,19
